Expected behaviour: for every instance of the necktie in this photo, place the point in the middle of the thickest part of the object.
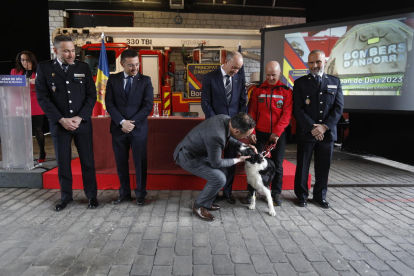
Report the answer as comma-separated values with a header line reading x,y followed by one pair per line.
x,y
227,88
65,67
318,79
127,88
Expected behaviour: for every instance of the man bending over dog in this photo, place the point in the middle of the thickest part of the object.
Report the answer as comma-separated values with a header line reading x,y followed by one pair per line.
x,y
200,153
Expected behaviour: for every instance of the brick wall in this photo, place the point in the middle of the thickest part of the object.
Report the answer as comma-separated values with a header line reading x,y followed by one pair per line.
x,y
57,19
210,21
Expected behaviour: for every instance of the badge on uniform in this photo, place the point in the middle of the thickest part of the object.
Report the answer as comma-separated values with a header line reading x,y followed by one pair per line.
x,y
279,104
261,100
53,74
307,101
53,87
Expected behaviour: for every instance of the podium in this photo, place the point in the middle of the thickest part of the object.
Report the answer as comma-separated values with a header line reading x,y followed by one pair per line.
x,y
15,123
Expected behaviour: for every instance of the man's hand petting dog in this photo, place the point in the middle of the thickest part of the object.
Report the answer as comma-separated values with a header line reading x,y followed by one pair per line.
x,y
254,148
242,158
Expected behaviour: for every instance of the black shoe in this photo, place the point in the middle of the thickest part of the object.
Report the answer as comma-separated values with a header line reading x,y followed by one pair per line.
x,y
121,199
324,204
141,200
62,204
93,203
276,200
302,203
230,198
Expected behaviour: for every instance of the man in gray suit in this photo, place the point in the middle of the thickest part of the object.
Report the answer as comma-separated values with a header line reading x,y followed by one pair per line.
x,y
200,153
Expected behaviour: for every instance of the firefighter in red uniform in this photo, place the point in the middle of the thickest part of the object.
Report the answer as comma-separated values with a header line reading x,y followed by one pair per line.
x,y
271,107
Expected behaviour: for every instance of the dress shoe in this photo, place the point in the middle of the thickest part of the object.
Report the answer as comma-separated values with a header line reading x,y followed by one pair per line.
x,y
141,200
62,204
302,203
202,213
249,198
121,199
276,200
214,207
324,204
230,198
93,203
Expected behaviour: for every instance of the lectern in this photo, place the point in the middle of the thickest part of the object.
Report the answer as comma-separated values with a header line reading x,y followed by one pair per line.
x,y
15,123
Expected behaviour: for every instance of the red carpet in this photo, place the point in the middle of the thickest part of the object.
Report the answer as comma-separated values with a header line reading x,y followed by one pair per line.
x,y
161,181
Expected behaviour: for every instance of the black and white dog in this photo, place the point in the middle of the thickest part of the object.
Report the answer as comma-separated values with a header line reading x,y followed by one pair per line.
x,y
260,172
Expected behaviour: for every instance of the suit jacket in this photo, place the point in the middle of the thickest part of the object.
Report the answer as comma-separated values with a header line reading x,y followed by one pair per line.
x,y
137,108
213,97
206,142
34,105
317,105
67,95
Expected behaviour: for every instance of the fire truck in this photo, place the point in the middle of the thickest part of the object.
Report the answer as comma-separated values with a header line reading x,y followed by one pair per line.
x,y
155,45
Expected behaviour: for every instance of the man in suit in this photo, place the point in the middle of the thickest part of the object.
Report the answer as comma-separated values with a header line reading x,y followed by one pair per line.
x,y
271,107
317,106
129,98
200,154
66,92
224,92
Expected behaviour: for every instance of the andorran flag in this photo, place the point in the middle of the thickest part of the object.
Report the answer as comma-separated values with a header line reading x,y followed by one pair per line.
x,y
101,80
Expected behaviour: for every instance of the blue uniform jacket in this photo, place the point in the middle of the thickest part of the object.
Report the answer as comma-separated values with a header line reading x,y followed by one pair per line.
x,y
317,105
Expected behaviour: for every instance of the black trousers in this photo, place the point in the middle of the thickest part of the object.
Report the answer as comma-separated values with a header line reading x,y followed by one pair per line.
x,y
277,156
121,146
323,158
63,150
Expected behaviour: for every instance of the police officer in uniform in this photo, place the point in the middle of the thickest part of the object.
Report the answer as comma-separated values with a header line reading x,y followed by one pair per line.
x,y
317,106
66,92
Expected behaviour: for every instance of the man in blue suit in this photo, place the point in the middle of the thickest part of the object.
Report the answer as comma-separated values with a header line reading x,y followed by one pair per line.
x,y
129,99
224,92
317,106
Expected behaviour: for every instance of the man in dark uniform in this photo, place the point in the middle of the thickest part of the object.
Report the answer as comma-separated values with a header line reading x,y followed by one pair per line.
x,y
66,92
317,106
129,98
224,92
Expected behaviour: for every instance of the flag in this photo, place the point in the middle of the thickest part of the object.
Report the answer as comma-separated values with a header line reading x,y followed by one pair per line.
x,y
101,80
241,71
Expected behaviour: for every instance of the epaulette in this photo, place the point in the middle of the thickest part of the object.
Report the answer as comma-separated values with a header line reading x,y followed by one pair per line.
x,y
332,76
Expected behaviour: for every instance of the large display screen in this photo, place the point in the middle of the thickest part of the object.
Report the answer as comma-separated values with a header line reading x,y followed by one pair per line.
x,y
372,58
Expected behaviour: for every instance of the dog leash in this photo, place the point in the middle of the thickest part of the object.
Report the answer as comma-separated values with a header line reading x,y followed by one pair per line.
x,y
268,148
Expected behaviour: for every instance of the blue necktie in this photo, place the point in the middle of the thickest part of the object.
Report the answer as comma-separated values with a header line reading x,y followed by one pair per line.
x,y
227,88
127,88
65,67
318,79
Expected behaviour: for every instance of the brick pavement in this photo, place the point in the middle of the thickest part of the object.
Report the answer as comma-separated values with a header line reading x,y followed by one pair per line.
x,y
369,231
